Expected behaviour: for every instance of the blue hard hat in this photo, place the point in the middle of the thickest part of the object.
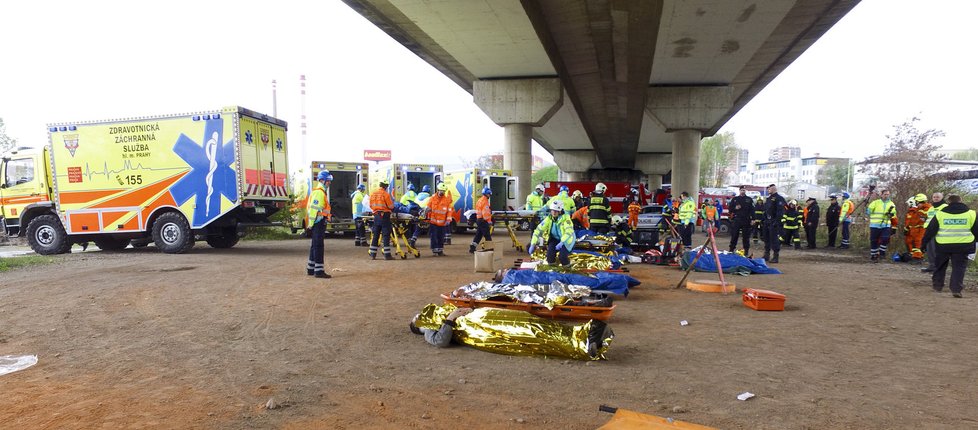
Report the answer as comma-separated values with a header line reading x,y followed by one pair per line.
x,y
324,175
845,195
426,189
410,186
361,187
564,188
486,191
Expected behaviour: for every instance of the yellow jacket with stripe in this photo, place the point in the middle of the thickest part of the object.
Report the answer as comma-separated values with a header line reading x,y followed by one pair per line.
x,y
317,208
549,226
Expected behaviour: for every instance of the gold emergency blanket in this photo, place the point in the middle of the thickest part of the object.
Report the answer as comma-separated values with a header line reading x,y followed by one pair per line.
x,y
579,262
549,295
513,332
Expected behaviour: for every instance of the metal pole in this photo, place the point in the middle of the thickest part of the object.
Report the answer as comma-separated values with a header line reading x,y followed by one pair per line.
x,y
274,99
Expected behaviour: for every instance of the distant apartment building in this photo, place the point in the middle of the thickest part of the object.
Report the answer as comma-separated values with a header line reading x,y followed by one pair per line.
x,y
784,153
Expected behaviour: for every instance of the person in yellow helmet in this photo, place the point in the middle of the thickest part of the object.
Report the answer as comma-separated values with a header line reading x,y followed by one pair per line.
x,y
953,230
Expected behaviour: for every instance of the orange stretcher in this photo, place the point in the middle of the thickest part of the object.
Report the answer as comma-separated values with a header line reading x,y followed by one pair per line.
x,y
558,312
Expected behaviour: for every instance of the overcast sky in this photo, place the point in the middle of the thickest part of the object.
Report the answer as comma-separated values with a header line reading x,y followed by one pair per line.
x,y
63,61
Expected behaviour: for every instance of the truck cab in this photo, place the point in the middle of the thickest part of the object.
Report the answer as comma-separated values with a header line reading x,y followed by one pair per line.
x,y
23,187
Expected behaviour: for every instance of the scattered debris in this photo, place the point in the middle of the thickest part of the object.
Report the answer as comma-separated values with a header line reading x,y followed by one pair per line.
x,y
678,410
272,404
461,381
745,395
425,416
684,323
520,420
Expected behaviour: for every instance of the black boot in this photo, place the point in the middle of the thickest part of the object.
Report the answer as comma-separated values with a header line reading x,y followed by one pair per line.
x,y
775,259
388,257
767,255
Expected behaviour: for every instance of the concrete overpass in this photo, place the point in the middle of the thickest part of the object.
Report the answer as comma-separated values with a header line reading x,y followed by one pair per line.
x,y
614,89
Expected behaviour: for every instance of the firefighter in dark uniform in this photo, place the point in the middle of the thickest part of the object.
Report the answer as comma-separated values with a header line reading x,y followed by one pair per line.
x,y
791,222
757,232
599,210
773,214
741,213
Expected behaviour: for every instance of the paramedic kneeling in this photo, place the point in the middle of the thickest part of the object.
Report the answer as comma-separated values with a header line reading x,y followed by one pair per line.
x,y
557,232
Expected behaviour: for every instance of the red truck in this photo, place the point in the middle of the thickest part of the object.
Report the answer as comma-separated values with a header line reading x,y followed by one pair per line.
x,y
617,191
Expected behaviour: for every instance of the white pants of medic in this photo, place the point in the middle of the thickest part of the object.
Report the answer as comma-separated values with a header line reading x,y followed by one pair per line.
x,y
879,238
316,249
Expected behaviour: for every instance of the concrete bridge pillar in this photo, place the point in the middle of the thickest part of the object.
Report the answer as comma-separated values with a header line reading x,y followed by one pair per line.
x,y
574,165
653,182
687,113
519,105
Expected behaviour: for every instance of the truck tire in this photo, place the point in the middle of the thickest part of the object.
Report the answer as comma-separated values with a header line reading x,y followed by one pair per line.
x,y
111,243
171,233
227,239
47,236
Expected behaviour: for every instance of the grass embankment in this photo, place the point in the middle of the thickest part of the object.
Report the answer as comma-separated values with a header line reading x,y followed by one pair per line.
x,y
9,263
271,233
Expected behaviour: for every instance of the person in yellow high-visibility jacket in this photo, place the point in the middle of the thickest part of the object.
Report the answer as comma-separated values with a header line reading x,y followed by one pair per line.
x,y
882,216
687,219
318,213
954,231
556,232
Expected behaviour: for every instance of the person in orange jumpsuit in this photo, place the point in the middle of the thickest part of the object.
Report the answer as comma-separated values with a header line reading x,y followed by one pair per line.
x,y
913,227
633,210
580,219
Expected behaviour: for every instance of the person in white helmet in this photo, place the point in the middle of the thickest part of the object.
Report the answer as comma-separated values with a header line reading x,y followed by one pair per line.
x,y
599,210
556,232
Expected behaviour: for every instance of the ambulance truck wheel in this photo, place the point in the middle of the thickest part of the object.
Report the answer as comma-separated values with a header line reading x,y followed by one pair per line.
x,y
227,239
47,236
171,233
111,243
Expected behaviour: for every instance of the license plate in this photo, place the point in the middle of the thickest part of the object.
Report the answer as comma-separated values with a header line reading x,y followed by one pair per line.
x,y
259,209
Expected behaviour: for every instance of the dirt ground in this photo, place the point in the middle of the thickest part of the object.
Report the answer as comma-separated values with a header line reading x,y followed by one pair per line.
x,y
139,339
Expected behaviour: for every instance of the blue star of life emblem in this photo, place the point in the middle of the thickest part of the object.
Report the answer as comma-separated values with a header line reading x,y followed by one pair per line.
x,y
250,138
211,175
465,190
278,144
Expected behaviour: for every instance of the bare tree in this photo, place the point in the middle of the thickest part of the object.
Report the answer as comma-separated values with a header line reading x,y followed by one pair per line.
x,y
716,153
6,142
487,161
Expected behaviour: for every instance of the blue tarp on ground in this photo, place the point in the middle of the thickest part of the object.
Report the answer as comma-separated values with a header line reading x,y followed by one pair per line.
x,y
731,263
615,283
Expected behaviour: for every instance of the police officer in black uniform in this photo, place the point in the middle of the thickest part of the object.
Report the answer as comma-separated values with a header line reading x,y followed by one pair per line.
x,y
773,214
741,212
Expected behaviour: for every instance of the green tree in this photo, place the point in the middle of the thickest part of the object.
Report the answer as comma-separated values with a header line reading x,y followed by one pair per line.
x,y
6,142
716,154
835,176
546,174
488,161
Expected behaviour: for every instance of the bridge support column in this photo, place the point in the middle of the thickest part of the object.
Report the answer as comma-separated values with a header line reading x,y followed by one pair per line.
x,y
574,165
686,162
686,113
653,182
519,105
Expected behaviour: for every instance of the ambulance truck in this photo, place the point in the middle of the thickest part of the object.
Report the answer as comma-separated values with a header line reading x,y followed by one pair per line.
x,y
346,177
166,179
466,187
399,175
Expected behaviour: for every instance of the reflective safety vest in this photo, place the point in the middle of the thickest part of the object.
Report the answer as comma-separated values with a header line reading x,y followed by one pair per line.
x,y
881,213
955,228
483,210
358,207
408,197
791,219
569,206
563,225
933,211
709,213
598,209
439,208
534,202
846,211
380,201
687,212
318,207
581,216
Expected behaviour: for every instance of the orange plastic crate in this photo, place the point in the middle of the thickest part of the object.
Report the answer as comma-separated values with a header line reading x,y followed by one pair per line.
x,y
763,300
558,312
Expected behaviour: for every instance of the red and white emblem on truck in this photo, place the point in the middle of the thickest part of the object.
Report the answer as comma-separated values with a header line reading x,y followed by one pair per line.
x,y
71,143
265,138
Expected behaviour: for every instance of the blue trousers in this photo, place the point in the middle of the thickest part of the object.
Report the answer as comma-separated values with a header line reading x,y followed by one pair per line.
x,y
437,235
552,252
316,248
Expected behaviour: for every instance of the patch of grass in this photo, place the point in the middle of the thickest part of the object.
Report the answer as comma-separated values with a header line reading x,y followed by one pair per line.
x,y
270,233
9,263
